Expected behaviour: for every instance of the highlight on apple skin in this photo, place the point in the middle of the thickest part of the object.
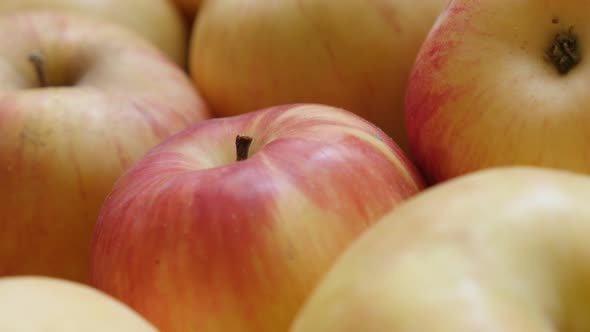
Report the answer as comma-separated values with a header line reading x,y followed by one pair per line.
x,y
75,113
196,241
502,249
486,89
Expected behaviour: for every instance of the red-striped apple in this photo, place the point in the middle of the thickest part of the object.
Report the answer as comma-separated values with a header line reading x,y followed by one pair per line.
x,y
80,102
35,304
500,82
204,235
156,20
501,249
355,54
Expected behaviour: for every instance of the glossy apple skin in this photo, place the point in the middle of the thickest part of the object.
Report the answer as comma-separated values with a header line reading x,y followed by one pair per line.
x,y
156,20
354,54
197,242
503,249
63,147
481,93
35,303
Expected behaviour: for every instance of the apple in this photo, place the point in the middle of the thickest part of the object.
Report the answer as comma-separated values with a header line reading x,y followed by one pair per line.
x,y
494,86
228,225
80,101
36,303
156,20
501,249
357,55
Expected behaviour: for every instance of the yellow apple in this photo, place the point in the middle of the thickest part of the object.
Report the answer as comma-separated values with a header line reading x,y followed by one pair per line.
x,y
42,304
156,20
503,249
354,54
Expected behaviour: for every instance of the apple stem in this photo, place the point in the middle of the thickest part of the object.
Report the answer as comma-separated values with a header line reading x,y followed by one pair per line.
x,y
563,52
242,147
37,59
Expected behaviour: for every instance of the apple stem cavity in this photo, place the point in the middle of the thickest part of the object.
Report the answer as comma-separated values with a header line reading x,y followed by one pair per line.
x,y
563,52
242,147
38,61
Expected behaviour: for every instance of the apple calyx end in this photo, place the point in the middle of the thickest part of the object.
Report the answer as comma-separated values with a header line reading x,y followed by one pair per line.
x,y
242,147
38,61
563,52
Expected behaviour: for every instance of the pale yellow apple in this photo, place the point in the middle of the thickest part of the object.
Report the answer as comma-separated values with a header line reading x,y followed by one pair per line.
x,y
499,250
42,304
156,20
354,54
108,97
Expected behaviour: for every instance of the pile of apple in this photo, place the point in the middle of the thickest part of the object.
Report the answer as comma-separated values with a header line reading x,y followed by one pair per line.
x,y
294,165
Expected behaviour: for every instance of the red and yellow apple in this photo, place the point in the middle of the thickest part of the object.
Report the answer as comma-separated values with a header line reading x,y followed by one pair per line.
x,y
228,225
500,82
35,304
251,54
502,249
80,101
156,20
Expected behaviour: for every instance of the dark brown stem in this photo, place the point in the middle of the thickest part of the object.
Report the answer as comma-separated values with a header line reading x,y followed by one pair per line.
x,y
563,52
242,147
38,61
